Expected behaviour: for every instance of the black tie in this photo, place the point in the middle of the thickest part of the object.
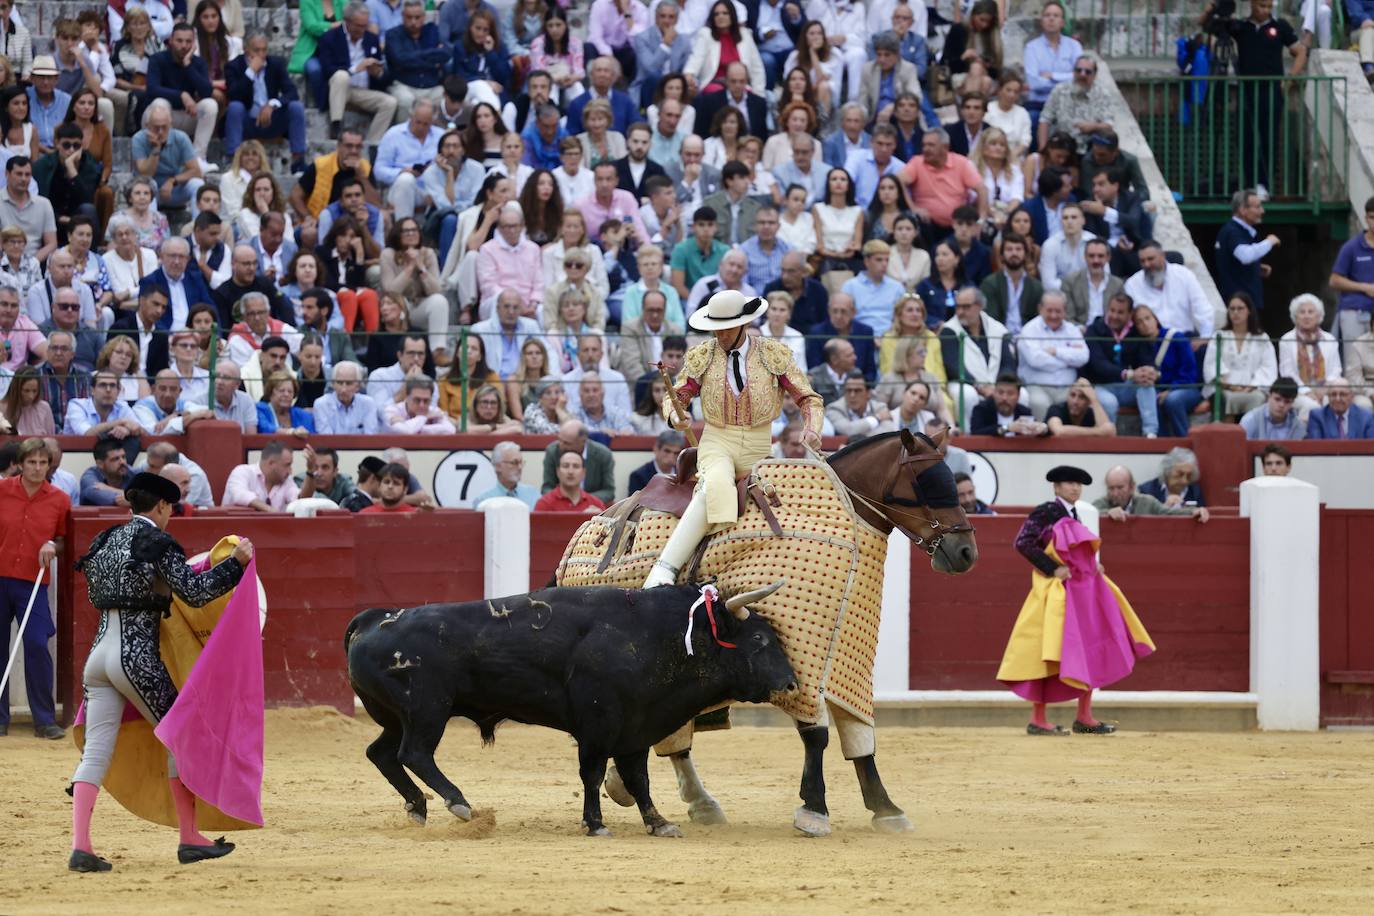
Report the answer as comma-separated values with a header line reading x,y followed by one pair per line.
x,y
739,376
1073,510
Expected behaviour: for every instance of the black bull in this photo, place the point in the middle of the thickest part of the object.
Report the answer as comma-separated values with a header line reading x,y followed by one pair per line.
x,y
606,665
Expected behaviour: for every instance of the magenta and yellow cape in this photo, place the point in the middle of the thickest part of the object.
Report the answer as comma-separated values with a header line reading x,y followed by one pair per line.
x,y
1076,635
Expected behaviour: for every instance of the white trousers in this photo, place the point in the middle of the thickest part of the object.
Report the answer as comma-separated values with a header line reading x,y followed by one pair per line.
x,y
201,125
108,688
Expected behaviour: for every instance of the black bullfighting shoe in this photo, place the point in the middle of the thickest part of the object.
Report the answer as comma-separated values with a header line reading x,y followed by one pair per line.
x,y
1033,729
87,862
1101,728
188,853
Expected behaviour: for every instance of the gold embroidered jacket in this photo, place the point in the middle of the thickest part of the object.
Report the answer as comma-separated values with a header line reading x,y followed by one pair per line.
x,y
771,373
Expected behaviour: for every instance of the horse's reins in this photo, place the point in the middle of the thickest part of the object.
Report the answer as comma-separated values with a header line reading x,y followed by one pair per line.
x,y
883,508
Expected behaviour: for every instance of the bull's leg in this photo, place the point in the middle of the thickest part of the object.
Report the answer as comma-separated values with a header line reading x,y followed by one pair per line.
x,y
635,770
383,754
418,744
591,766
813,817
887,817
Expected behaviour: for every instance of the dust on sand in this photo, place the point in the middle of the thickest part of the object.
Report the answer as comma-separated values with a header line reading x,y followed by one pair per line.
x,y
1183,823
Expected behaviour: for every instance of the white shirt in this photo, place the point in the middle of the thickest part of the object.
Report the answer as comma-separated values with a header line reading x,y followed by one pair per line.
x,y
1014,290
1179,304
1096,291
357,73
125,275
738,356
1015,123
1039,366
1059,259
178,304
575,187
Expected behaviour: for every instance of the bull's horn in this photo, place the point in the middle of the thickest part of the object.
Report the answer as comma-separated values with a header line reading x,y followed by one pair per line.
x,y
738,605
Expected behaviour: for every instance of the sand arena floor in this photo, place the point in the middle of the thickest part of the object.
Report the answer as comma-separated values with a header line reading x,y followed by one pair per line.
x,y
1177,823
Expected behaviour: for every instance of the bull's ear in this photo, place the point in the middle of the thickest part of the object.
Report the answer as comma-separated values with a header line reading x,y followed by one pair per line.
x,y
738,604
908,441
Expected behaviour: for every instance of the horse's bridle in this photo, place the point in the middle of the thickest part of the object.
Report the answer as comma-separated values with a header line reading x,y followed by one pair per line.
x,y
928,517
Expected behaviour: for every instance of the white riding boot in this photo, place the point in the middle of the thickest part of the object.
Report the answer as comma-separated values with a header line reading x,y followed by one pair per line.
x,y
691,528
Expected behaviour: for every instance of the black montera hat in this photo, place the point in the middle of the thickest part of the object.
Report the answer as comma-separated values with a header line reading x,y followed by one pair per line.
x,y
1067,473
157,485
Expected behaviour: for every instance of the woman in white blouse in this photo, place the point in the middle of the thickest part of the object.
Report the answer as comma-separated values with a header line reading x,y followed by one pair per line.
x,y
703,64
777,325
908,264
249,159
796,227
1006,114
1001,174
1307,354
1248,363
127,262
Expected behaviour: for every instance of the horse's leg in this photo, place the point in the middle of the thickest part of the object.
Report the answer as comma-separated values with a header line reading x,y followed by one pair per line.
x,y
701,807
813,817
858,744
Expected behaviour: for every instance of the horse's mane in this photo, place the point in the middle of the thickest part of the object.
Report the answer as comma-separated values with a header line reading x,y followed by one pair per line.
x,y
873,440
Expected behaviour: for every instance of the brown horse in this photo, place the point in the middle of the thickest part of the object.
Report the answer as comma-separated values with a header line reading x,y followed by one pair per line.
x,y
896,481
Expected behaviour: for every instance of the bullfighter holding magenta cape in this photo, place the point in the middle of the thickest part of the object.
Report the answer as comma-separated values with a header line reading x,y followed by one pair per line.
x,y
1076,635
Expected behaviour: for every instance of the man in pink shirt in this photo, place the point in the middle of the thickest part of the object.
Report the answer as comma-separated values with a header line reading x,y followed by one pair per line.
x,y
266,486
417,415
609,202
612,27
20,339
510,261
939,182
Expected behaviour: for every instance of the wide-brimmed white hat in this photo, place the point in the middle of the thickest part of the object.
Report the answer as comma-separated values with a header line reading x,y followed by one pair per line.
x,y
726,308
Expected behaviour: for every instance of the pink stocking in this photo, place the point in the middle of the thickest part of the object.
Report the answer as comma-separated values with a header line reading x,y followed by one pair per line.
x,y
186,813
83,806
1085,709
1038,716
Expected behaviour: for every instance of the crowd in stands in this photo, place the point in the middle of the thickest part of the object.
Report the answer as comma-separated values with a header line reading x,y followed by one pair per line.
x,y
519,208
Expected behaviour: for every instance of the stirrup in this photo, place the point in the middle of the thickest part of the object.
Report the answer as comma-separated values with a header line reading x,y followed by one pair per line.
x,y
661,574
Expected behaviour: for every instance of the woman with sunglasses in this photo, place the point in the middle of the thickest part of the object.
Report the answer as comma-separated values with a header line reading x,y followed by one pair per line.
x,y
185,352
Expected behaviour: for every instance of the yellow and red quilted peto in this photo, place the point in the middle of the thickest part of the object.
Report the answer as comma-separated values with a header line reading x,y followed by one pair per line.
x,y
826,616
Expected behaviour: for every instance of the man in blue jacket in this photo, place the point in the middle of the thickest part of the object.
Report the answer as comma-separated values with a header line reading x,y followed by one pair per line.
x,y
602,74
263,103
180,76
351,59
1239,249
1340,419
417,59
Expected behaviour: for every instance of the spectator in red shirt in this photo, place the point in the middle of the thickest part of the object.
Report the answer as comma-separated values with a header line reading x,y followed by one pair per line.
x,y
569,496
940,182
33,519
392,482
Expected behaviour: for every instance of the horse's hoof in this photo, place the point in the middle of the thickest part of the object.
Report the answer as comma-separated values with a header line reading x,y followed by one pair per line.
x,y
811,824
892,823
668,830
706,812
460,811
615,788
416,814
599,831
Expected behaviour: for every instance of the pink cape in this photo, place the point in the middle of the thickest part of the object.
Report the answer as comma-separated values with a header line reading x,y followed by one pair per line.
x,y
215,727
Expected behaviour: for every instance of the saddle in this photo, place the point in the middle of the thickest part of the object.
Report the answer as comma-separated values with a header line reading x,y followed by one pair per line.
x,y
671,493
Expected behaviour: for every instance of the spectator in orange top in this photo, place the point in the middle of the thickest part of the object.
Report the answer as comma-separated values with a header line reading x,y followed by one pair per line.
x,y
33,517
939,182
392,481
569,496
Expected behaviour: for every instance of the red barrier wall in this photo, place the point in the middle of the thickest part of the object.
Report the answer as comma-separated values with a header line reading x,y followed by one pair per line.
x,y
317,572
1189,583
1347,617
550,533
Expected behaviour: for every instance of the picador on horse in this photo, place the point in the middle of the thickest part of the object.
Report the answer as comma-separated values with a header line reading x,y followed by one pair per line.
x,y
821,525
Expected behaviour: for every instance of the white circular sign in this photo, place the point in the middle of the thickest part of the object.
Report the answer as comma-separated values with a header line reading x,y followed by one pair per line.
x,y
461,477
262,592
984,477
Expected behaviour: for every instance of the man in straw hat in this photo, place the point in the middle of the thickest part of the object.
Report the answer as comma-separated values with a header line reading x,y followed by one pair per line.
x,y
741,381
133,570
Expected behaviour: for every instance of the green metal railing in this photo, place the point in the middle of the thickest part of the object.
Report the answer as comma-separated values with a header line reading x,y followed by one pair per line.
x,y
1214,135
